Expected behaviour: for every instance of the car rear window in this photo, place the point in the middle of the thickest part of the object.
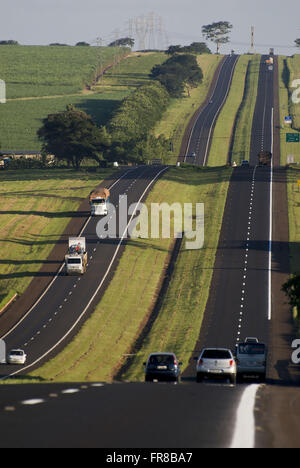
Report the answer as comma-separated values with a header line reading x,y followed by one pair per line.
x,y
251,348
216,354
161,359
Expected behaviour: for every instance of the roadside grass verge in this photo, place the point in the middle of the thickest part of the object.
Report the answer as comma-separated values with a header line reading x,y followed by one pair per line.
x,y
36,207
176,118
222,136
100,349
293,190
289,70
242,137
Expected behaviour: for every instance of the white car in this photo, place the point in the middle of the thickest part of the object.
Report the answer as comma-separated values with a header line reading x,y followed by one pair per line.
x,y
16,356
216,363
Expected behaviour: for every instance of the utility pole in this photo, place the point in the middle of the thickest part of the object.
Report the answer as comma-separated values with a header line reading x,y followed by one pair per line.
x,y
252,49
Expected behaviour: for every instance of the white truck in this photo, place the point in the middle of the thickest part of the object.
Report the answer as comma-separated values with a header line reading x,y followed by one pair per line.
x,y
98,201
76,258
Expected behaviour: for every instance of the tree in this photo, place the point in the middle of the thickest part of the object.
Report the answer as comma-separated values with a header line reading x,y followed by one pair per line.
x,y
123,42
292,290
72,136
174,49
82,43
217,33
9,42
179,72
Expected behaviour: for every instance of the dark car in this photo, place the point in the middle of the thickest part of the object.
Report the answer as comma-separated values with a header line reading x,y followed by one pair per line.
x,y
245,163
162,367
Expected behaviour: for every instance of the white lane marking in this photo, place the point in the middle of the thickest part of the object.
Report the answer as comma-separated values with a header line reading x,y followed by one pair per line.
x,y
33,401
244,431
59,271
99,286
218,112
207,105
70,390
270,228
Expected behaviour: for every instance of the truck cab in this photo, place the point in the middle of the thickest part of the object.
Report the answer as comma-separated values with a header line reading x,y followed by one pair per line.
x,y
98,202
76,258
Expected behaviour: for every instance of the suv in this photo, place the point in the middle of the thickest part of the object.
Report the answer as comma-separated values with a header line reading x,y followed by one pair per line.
x,y
252,358
162,366
216,362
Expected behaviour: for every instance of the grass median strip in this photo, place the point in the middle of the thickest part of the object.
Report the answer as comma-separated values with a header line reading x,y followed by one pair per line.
x,y
176,118
242,137
100,349
221,141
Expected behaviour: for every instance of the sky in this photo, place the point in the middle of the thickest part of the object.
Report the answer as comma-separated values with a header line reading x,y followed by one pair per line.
x,y
41,22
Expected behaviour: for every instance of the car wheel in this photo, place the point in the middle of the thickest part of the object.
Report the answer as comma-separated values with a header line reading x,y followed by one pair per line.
x,y
233,379
148,379
200,377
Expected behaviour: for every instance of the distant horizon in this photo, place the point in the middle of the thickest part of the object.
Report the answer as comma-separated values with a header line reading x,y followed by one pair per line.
x,y
168,22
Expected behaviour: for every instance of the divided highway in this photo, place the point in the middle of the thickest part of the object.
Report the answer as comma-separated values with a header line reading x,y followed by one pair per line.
x,y
160,415
57,315
202,132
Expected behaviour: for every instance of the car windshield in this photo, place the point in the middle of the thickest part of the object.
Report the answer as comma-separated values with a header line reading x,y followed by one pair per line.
x,y
216,354
74,261
16,353
251,348
161,359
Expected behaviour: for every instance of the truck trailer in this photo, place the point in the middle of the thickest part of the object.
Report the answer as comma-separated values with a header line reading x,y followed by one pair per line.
x,y
76,258
98,202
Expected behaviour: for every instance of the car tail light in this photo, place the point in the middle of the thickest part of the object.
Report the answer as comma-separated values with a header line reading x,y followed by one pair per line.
x,y
231,363
200,362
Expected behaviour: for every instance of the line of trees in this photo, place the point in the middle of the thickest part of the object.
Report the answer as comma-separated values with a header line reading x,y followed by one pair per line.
x,y
73,136
179,73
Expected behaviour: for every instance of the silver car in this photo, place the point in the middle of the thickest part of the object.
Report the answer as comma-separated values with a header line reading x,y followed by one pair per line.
x,y
16,356
252,358
216,363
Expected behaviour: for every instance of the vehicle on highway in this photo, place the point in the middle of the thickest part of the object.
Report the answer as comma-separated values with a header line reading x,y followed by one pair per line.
x,y
76,258
162,367
192,155
245,163
251,359
98,202
216,363
16,356
265,158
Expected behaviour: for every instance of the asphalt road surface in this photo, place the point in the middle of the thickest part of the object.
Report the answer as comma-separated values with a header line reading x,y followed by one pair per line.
x,y
160,415
202,132
69,299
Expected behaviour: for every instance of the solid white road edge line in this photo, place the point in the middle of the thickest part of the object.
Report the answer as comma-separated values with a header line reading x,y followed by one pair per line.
x,y
58,273
244,431
271,227
99,287
213,92
218,112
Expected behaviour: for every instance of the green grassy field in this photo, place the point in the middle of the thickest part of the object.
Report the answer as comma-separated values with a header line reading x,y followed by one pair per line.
x,y
293,190
35,71
20,118
289,70
36,207
99,350
220,147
